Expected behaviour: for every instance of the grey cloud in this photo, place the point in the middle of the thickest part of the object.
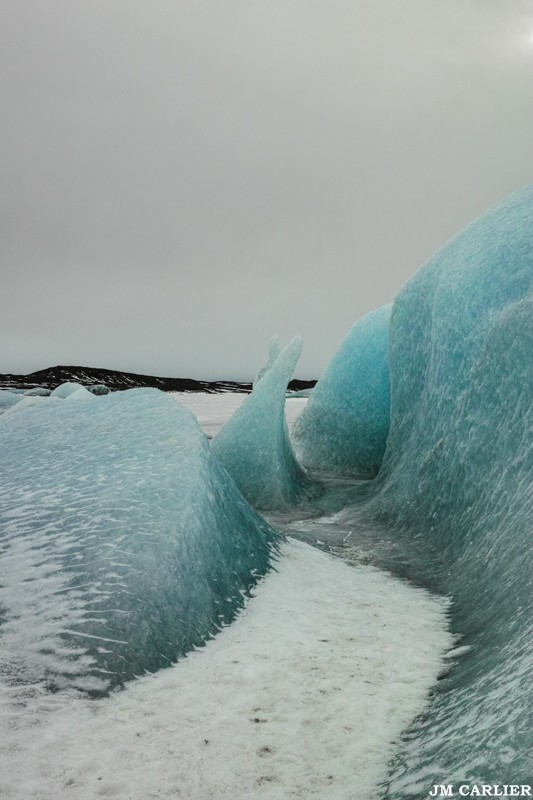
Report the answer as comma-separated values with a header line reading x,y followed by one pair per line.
x,y
180,180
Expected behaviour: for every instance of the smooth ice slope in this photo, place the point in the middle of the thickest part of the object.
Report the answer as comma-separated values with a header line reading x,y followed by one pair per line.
x,y
254,444
123,542
459,468
345,425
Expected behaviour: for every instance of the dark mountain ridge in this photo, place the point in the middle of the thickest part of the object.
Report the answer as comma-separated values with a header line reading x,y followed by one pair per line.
x,y
116,380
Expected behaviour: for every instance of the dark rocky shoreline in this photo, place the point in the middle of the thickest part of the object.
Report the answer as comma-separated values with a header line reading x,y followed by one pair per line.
x,y
52,377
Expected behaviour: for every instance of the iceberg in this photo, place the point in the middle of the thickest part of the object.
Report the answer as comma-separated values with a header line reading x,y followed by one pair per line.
x,y
345,424
458,470
98,388
38,391
124,542
64,389
81,393
254,443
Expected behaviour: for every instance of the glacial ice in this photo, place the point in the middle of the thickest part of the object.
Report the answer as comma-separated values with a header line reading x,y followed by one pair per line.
x,y
345,424
64,389
99,388
81,393
38,391
27,402
458,469
254,444
124,542
8,399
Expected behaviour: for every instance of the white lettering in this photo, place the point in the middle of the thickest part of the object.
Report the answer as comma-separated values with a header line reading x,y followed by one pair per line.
x,y
440,790
482,790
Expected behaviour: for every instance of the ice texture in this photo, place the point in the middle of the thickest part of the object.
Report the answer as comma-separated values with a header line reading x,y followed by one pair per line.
x,y
254,444
124,542
345,424
458,470
31,401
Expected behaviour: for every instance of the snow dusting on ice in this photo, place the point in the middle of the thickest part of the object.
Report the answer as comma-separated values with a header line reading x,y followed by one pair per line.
x,y
301,697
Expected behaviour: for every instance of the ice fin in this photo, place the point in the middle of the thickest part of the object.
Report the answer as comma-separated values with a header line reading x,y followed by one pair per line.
x,y
254,444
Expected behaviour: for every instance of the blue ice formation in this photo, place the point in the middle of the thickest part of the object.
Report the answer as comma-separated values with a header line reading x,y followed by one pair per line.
x,y
81,393
458,469
64,389
254,444
124,542
345,424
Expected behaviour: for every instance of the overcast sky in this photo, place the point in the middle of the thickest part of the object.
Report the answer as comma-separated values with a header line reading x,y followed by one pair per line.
x,y
180,180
